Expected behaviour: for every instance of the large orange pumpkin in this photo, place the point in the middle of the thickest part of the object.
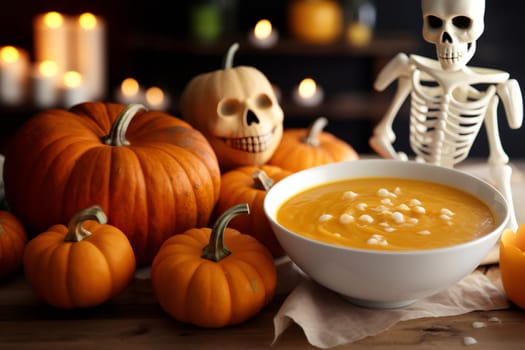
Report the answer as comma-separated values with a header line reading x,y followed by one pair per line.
x,y
81,265
13,238
303,148
249,184
214,277
153,174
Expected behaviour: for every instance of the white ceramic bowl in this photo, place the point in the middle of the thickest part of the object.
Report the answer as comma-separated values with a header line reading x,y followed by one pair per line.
x,y
383,279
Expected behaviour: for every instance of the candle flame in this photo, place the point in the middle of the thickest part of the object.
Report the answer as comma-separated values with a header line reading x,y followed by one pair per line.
x,y
53,19
307,88
263,29
9,54
72,79
129,87
154,96
87,21
48,68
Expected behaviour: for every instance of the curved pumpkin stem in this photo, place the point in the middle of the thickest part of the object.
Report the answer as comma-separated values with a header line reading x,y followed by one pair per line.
x,y
228,61
262,180
117,134
312,135
76,232
216,250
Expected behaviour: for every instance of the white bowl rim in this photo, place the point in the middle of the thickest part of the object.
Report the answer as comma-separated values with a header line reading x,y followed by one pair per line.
x,y
460,246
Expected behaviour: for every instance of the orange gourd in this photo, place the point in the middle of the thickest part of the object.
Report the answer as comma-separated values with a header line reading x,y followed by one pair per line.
x,y
249,184
81,265
13,238
305,148
153,174
315,21
512,264
214,277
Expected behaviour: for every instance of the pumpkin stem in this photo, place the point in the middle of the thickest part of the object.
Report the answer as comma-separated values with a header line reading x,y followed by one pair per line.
x,y
315,129
228,61
216,250
262,180
76,232
117,134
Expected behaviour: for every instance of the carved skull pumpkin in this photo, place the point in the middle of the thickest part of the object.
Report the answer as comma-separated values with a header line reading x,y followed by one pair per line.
x,y
453,26
237,110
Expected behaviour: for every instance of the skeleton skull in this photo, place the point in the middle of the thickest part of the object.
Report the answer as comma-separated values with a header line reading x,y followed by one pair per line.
x,y
453,26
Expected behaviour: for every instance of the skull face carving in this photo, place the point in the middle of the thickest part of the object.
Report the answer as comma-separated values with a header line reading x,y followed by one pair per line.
x,y
453,26
238,112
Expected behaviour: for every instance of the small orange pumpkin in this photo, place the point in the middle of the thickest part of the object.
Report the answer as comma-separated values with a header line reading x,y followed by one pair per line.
x,y
249,184
13,238
305,148
82,265
214,277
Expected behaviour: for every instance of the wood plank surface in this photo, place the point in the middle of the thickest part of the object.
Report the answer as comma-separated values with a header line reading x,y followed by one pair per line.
x,y
134,320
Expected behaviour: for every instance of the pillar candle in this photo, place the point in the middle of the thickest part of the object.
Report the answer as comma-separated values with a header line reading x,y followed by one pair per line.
x,y
44,84
89,47
73,89
14,65
51,31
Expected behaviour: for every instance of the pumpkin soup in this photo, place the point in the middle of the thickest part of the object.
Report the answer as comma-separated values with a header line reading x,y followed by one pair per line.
x,y
387,214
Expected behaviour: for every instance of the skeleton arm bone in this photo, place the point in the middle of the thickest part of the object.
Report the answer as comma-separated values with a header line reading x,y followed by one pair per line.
x,y
510,95
398,68
500,171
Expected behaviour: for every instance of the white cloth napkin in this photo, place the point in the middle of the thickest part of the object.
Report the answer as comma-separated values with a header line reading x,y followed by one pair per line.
x,y
328,320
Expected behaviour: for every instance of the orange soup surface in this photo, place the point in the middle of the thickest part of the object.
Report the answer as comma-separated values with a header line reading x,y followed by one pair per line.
x,y
387,214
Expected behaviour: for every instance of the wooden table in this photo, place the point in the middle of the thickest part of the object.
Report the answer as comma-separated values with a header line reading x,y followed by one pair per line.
x,y
134,320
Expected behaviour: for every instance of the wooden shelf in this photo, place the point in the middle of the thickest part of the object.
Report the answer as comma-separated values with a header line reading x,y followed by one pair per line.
x,y
178,59
343,106
382,45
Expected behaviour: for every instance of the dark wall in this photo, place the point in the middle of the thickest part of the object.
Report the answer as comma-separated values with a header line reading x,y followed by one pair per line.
x,y
500,46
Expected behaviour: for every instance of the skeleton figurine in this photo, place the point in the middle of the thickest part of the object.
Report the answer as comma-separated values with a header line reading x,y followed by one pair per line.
x,y
447,106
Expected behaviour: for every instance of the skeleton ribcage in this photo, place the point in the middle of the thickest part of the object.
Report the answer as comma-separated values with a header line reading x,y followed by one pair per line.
x,y
443,127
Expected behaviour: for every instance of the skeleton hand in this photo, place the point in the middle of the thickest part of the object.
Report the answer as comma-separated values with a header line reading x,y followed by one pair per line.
x,y
382,140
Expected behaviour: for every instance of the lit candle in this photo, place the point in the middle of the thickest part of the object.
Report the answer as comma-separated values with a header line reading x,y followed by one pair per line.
x,y
73,90
156,98
308,93
130,92
89,49
264,35
44,84
14,63
51,32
